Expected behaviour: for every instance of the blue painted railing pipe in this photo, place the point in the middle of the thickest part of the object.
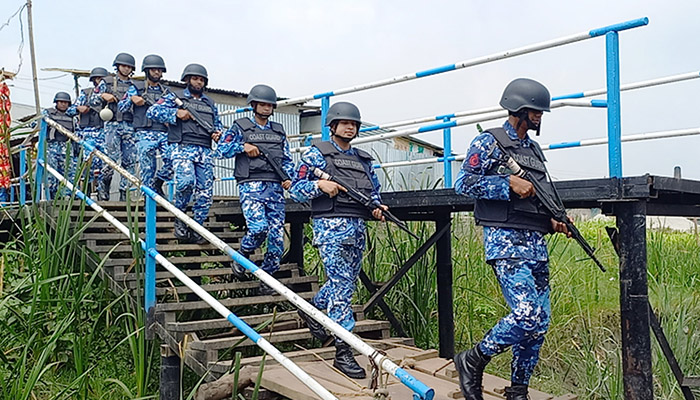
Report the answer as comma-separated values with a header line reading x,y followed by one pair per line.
x,y
22,171
612,57
40,154
447,149
635,23
384,362
150,244
152,253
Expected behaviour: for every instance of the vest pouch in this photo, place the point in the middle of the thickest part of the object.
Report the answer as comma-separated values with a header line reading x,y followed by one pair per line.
x,y
363,186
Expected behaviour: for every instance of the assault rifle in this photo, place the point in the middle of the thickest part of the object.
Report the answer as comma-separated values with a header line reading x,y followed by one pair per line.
x,y
361,198
196,117
274,164
553,205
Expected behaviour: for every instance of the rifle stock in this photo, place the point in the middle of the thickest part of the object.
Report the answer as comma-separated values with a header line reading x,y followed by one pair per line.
x,y
195,115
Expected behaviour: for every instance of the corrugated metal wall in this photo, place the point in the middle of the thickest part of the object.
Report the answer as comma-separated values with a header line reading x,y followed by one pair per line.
x,y
423,176
224,167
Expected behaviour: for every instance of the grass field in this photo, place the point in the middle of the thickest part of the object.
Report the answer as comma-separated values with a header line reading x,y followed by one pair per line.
x,y
64,335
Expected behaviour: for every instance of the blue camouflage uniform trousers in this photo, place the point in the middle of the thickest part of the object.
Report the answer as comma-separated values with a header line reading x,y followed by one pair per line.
x,y
341,242
56,153
121,148
194,175
525,287
263,208
94,137
150,143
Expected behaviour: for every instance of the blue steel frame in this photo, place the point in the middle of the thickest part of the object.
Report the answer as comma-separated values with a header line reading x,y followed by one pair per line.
x,y
22,181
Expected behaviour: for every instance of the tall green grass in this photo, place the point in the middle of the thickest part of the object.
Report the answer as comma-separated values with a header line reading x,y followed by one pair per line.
x,y
581,354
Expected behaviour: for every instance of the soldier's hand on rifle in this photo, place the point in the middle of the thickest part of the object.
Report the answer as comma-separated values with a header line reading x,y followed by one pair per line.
x,y
251,150
330,188
377,212
521,187
108,97
216,136
138,100
561,227
82,109
183,114
286,184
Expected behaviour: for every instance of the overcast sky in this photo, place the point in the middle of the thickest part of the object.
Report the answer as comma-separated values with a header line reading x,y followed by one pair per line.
x,y
304,47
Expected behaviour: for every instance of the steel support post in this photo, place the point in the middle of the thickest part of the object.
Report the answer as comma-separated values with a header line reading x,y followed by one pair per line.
x,y
169,373
634,301
444,288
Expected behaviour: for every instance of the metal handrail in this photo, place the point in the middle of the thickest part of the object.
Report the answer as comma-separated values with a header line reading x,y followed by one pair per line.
x,y
420,390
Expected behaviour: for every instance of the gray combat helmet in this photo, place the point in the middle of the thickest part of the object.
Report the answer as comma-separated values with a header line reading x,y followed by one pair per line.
x,y
124,59
61,96
195,69
153,61
343,110
262,94
525,93
98,72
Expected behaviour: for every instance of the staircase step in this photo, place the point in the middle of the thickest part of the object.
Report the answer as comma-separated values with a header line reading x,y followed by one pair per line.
x,y
195,272
283,336
241,301
298,356
211,225
216,287
126,247
167,235
252,320
222,258
222,323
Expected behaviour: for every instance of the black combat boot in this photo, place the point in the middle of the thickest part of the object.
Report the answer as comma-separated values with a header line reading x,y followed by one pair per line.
x,y
196,238
516,392
470,366
158,187
265,290
317,330
122,196
345,361
103,187
182,232
239,271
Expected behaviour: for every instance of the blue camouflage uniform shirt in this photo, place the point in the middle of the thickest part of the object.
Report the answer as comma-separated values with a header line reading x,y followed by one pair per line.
x,y
231,144
305,188
472,181
94,101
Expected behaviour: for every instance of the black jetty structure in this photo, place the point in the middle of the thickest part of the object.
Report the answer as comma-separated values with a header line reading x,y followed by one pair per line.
x,y
629,199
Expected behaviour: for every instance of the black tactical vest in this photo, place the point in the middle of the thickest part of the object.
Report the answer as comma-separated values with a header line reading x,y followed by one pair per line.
x,y
119,91
528,213
352,169
54,135
269,141
151,96
189,132
91,118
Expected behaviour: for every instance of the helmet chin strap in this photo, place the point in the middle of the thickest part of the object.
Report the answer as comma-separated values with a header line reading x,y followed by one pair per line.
x,y
151,78
523,116
261,115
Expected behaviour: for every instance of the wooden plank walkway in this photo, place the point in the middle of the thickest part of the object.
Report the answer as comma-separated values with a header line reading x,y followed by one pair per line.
x,y
209,342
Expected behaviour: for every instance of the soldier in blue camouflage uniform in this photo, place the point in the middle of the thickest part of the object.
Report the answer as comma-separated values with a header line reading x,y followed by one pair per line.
x,y
56,141
257,143
152,136
119,133
193,158
514,224
88,105
338,222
